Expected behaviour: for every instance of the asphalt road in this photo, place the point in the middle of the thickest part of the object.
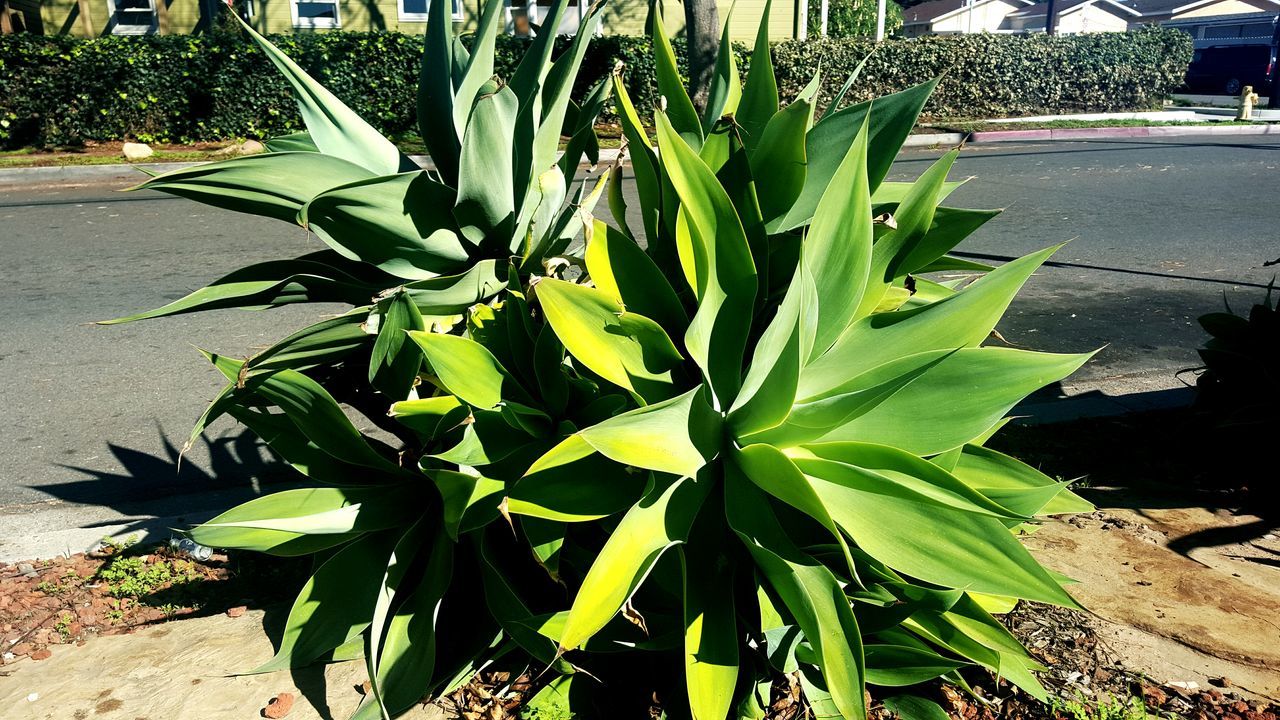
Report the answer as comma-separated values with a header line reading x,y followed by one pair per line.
x,y
91,414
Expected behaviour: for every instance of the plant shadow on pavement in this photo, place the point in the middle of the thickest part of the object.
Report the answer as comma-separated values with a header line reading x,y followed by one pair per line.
x,y
1158,460
153,492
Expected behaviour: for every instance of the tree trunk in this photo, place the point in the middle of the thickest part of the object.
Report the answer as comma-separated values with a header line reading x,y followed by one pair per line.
x,y
702,30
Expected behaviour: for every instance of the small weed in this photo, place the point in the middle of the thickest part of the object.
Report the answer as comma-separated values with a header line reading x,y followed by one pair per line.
x,y
63,626
1112,709
135,577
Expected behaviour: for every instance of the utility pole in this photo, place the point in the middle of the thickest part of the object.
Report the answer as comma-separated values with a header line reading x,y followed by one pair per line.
x,y
1049,19
879,20
1274,102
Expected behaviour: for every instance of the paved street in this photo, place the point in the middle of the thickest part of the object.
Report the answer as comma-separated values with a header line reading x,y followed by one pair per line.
x,y
90,414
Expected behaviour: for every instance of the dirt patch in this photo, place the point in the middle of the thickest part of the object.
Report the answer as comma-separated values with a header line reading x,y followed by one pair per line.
x,y
71,600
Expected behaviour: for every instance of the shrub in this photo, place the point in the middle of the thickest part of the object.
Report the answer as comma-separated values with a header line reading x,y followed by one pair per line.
x,y
741,439
59,90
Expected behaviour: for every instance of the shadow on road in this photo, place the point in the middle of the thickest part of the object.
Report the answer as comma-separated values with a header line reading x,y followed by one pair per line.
x,y
151,486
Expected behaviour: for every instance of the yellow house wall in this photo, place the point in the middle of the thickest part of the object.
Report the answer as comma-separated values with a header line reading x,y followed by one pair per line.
x,y
621,17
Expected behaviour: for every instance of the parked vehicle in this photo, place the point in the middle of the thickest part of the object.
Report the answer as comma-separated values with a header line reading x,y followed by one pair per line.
x,y
1227,69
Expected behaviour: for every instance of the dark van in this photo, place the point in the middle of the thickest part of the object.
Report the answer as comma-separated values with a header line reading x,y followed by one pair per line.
x,y
1228,68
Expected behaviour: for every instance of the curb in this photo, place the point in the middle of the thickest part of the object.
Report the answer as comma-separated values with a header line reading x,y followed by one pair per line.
x,y
1100,133
82,174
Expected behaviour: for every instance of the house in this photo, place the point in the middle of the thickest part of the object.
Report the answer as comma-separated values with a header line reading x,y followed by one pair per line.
x,y
91,18
1073,17
1213,22
938,17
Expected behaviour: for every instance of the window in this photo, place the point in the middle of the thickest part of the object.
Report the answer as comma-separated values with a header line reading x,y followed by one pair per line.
x,y
315,13
416,10
133,17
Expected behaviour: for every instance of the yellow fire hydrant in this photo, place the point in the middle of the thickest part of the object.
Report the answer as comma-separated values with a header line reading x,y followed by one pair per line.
x,y
1248,98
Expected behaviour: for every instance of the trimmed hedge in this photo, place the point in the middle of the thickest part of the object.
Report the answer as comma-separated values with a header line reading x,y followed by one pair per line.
x,y
62,91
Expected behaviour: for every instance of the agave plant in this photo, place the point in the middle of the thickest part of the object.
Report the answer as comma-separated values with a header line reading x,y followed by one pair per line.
x,y
743,440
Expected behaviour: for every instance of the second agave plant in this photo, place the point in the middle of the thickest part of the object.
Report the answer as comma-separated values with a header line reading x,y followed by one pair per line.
x,y
731,438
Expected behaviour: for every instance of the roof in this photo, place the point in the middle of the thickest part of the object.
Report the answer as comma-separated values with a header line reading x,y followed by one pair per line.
x,y
1064,7
928,12
1169,7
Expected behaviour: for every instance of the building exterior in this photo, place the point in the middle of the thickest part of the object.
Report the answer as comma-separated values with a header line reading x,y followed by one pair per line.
x,y
92,18
1074,16
946,17
1210,22
1213,22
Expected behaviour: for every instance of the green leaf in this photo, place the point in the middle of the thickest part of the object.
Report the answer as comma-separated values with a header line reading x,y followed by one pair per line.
x,y
778,160
328,341
274,185
660,520
393,367
431,417
726,87
334,128
964,319
644,164
890,120
320,418
837,249
913,218
918,535
479,66
912,707
619,267
293,142
486,194
467,369
899,666
807,588
470,501
760,94
710,630
302,503
572,482
268,284
403,224
453,294
1015,484
407,659
679,108
435,91
769,388
717,261
676,436
625,348
981,385
286,440
334,606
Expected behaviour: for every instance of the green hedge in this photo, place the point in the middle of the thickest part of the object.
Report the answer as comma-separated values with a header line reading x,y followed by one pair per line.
x,y
60,91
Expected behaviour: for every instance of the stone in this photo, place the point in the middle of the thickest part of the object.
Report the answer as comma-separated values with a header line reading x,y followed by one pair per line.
x,y
237,611
41,654
26,570
137,151
278,706
252,147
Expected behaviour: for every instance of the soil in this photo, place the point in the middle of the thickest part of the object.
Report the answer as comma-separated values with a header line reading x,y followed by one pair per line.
x,y
70,600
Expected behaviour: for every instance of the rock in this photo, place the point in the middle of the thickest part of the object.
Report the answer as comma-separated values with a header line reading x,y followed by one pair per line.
x,y
33,697
236,611
1222,682
278,706
1184,685
26,570
41,654
1154,696
22,649
8,657
137,151
251,147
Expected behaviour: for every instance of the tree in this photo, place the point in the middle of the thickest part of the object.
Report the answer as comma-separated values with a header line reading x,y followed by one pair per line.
x,y
701,30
